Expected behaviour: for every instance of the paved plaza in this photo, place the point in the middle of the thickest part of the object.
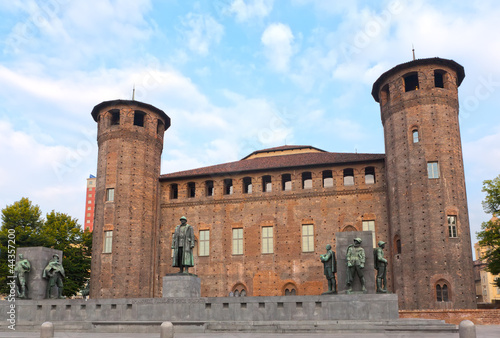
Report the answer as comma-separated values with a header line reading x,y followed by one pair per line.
x,y
483,331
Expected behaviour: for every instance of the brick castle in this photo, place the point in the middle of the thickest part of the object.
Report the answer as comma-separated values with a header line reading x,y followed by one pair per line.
x,y
261,222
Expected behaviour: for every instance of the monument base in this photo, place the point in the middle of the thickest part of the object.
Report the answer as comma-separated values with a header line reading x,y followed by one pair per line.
x,y
181,285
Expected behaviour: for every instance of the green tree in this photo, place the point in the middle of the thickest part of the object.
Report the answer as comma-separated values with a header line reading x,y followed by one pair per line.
x,y
489,236
58,231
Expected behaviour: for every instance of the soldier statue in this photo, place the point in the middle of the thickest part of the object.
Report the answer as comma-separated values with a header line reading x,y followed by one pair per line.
x,y
355,264
183,244
54,272
330,268
23,266
381,267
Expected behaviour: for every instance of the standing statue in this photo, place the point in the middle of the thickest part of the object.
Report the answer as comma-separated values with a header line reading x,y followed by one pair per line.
x,y
183,244
54,272
381,267
330,268
355,264
23,266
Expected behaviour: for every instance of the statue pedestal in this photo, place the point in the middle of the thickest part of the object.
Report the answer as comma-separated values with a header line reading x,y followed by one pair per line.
x,y
181,285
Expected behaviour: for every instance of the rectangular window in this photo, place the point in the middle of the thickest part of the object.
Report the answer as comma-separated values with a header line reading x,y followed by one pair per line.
x,y
209,188
267,240
108,241
238,241
89,208
88,221
307,238
174,191
327,179
452,226
247,185
204,246
139,118
348,176
191,189
228,186
266,184
432,170
370,226
286,182
110,194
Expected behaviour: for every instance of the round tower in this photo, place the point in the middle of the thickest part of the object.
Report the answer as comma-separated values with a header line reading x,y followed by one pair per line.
x,y
429,222
130,141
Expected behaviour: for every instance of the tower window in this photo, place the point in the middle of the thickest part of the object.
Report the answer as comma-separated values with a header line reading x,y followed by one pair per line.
x,y
411,82
247,185
191,189
286,182
139,118
228,186
307,182
439,78
266,184
369,175
110,194
115,117
442,294
432,169
348,176
327,179
398,246
414,134
108,241
209,188
452,226
174,191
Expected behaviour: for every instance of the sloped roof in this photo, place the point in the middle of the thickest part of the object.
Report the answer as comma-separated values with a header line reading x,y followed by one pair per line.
x,y
276,162
282,148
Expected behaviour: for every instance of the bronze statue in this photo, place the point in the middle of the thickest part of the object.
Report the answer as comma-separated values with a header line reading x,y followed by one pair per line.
x,y
54,272
183,244
330,268
23,266
381,267
355,264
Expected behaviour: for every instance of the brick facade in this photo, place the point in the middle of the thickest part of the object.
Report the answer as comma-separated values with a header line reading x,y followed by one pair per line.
x,y
408,210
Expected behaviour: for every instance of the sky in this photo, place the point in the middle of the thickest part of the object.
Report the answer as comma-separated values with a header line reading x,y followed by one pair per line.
x,y
234,76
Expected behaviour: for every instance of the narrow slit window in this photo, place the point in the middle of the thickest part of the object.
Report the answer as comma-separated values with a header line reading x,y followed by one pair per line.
x,y
307,180
139,118
286,182
247,185
414,134
348,176
452,226
411,82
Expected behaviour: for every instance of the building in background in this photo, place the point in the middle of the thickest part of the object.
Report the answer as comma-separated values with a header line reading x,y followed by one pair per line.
x,y
90,204
261,222
486,289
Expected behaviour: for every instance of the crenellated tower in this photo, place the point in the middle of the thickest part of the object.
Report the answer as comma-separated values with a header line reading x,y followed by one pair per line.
x,y
130,140
428,217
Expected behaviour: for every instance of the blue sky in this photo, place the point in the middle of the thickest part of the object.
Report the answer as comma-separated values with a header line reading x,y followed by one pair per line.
x,y
233,75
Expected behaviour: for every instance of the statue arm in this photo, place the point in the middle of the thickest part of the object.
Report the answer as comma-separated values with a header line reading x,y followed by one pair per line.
x,y
191,237
362,258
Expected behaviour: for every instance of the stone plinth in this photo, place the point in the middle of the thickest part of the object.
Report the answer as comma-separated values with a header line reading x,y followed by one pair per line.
x,y
181,285
38,257
343,240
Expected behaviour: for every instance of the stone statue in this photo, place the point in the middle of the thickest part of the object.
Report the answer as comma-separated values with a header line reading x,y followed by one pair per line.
x,y
86,289
23,266
355,264
381,267
183,244
54,272
330,268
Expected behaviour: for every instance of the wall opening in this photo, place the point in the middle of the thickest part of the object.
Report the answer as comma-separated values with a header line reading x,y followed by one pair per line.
x,y
327,179
286,182
348,176
115,117
369,175
191,189
139,118
411,82
266,184
307,182
209,186
228,186
247,185
439,78
174,191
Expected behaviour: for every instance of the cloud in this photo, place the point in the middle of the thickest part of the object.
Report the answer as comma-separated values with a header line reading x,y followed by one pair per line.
x,y
201,32
277,40
248,10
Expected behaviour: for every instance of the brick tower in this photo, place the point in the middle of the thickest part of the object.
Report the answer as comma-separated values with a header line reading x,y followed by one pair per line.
x,y
428,218
130,140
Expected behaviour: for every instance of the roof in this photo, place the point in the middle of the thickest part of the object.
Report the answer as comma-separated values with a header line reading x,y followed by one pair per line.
x,y
282,148
131,103
415,63
276,162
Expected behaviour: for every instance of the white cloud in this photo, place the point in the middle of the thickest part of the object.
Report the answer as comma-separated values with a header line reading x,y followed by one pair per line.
x,y
247,10
201,32
277,40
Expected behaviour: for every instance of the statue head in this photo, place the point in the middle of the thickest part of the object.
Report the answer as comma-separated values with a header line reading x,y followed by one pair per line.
x,y
357,241
55,257
20,256
381,244
183,219
328,247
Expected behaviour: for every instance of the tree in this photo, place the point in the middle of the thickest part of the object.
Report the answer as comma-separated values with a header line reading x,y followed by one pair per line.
x,y
490,235
59,231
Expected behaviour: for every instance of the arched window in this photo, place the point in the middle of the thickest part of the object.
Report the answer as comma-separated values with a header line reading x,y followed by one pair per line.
x,y
349,228
369,175
115,117
327,179
348,176
307,182
239,290
442,291
289,289
414,134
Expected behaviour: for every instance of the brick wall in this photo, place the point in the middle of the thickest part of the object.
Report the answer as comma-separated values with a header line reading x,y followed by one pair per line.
x,y
478,317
